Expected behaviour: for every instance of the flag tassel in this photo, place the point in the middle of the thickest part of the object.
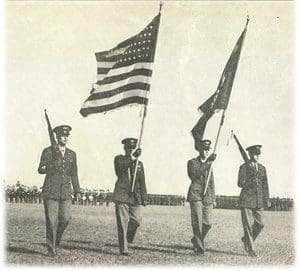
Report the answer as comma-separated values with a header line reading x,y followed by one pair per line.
x,y
160,6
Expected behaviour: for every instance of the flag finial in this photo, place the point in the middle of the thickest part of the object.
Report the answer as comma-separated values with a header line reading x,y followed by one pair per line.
x,y
160,5
248,19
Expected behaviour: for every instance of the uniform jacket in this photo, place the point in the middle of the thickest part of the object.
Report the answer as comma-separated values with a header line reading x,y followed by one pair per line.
x,y
198,172
60,174
254,184
124,169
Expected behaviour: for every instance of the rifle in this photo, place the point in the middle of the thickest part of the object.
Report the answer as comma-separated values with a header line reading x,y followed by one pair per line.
x,y
50,131
242,151
53,142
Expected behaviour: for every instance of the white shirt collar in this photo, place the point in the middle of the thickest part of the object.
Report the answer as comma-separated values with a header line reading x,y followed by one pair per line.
x,y
62,149
201,160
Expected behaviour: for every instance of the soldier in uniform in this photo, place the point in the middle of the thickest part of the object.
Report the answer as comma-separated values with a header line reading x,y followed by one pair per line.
x,y
40,195
282,204
90,197
35,194
253,198
128,204
201,205
277,204
107,197
60,167
290,204
183,200
236,202
7,192
272,200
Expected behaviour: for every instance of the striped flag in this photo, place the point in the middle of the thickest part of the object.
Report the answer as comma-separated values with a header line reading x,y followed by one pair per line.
x,y
124,72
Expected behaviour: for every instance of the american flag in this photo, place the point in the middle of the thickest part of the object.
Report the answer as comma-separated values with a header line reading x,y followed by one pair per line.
x,y
124,72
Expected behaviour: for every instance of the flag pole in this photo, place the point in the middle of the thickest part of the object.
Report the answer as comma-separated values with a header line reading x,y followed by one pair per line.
x,y
142,125
219,130
139,144
215,148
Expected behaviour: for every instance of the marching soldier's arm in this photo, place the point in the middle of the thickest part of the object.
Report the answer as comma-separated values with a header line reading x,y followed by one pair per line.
x,y
192,170
74,176
242,176
121,165
143,185
266,187
212,186
246,177
46,165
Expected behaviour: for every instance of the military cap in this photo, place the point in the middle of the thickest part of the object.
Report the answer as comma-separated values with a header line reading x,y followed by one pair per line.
x,y
130,142
62,130
255,149
204,144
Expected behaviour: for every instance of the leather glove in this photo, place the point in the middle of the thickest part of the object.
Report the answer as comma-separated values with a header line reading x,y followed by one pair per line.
x,y
137,152
144,203
212,157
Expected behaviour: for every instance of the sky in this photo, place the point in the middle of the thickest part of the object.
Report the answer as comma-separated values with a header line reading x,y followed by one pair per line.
x,y
50,63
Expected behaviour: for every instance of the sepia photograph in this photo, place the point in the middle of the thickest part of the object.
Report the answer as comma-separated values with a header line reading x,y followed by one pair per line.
x,y
149,133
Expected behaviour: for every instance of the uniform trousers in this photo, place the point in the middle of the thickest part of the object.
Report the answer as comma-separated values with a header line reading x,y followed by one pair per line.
x,y
58,215
252,220
128,220
201,223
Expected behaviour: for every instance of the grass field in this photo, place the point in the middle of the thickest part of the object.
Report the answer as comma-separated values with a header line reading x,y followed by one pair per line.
x,y
163,238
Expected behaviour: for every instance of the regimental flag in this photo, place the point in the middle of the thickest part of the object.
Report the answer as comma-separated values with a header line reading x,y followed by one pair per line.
x,y
124,72
219,100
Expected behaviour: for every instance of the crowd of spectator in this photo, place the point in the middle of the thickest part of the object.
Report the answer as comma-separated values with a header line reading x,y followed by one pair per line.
x,y
169,200
20,193
276,203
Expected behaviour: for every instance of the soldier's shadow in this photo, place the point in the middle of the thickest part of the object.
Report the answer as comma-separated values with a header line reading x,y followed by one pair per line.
x,y
147,249
23,250
172,246
79,241
92,249
208,250
226,252
76,247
